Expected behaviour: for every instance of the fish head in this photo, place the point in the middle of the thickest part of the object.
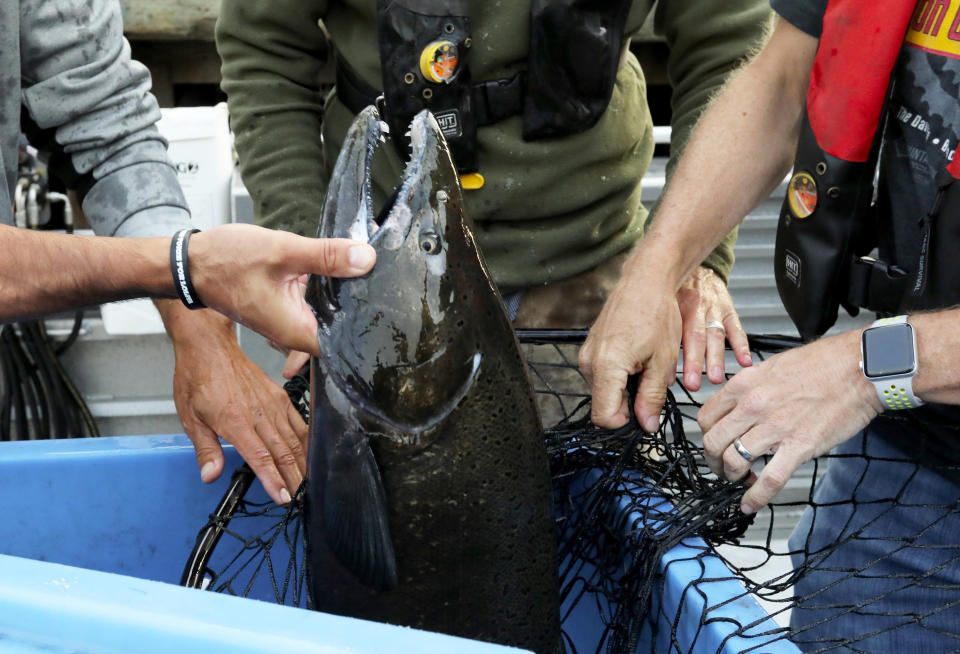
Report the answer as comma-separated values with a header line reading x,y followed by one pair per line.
x,y
402,341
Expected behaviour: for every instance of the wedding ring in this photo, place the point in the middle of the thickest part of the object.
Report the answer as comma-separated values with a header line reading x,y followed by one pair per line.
x,y
716,324
742,451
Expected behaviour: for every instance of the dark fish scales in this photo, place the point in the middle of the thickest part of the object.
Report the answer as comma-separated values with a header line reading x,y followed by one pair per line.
x,y
428,498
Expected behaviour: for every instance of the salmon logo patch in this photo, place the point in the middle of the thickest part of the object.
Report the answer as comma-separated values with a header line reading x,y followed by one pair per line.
x,y
802,195
439,62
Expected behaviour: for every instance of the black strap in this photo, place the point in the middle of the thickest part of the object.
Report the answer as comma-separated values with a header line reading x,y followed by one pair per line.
x,y
498,99
493,101
353,92
876,285
180,267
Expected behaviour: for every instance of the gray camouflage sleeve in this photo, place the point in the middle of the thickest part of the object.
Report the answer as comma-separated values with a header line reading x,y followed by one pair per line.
x,y
89,103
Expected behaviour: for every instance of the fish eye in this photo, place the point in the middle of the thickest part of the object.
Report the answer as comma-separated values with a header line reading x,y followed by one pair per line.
x,y
430,243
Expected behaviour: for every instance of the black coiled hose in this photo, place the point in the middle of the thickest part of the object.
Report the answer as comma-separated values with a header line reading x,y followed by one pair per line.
x,y
39,399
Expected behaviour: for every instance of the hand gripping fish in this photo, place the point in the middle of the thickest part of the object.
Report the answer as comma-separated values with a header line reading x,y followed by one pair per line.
x,y
428,498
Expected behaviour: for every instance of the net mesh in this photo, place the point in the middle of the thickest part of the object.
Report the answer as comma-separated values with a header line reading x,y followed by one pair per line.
x,y
858,554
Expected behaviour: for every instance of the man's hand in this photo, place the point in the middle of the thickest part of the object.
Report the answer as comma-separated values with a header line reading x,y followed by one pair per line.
x,y
639,331
799,404
218,391
256,277
705,303
749,134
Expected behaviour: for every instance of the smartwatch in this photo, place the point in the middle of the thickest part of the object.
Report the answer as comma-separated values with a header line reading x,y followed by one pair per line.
x,y
888,359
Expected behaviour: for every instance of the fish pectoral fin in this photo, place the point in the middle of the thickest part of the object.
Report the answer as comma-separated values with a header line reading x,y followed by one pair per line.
x,y
355,514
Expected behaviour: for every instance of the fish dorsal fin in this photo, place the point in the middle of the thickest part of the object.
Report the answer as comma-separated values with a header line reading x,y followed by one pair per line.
x,y
355,513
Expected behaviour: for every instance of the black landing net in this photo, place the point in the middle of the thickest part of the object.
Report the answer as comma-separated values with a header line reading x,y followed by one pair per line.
x,y
655,554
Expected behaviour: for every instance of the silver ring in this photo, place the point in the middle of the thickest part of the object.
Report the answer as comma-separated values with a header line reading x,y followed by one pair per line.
x,y
716,324
742,451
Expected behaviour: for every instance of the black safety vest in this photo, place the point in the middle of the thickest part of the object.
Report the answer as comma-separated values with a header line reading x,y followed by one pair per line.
x,y
575,49
826,224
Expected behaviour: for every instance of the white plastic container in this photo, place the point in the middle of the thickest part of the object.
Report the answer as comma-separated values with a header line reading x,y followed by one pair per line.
x,y
201,148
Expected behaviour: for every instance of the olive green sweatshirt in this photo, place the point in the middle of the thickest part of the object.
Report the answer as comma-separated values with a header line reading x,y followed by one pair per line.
x,y
550,208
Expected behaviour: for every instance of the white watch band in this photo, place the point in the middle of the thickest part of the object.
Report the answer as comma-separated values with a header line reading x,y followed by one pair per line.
x,y
896,393
896,320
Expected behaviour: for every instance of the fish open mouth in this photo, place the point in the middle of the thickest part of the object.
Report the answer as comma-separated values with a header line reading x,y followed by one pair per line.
x,y
349,208
348,212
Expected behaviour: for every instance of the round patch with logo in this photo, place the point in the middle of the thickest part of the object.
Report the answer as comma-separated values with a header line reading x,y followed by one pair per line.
x,y
802,195
439,60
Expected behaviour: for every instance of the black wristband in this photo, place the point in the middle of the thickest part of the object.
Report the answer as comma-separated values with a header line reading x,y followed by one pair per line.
x,y
180,267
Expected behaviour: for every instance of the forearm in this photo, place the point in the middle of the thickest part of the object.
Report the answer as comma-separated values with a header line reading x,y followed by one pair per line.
x,y
708,41
187,327
938,359
938,356
45,273
738,154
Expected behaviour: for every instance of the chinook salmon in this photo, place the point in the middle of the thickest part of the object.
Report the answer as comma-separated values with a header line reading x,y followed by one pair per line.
x,y
428,499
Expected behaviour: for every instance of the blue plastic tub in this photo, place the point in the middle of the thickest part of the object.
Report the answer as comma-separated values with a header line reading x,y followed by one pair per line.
x,y
94,534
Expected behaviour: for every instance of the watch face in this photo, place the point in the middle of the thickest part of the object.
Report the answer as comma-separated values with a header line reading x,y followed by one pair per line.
x,y
888,350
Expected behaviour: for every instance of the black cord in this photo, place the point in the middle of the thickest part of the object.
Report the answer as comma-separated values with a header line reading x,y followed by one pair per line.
x,y
72,337
43,381
19,406
35,400
40,399
6,406
54,400
90,427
